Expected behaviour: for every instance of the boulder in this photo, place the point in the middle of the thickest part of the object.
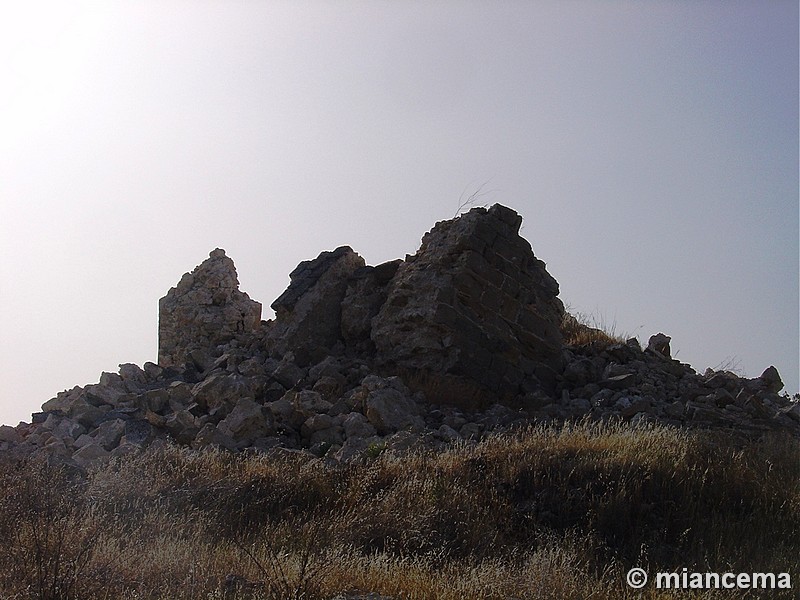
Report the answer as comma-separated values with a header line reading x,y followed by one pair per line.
x,y
63,400
316,423
389,411
9,434
659,343
90,454
109,433
357,425
210,435
182,426
221,389
330,436
137,432
133,376
247,422
771,380
309,403
87,414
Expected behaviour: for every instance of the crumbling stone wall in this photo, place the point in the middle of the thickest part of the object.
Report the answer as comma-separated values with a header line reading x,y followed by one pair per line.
x,y
473,311
308,313
204,310
474,302
472,306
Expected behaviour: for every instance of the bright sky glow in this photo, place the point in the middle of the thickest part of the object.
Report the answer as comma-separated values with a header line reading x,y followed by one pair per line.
x,y
652,148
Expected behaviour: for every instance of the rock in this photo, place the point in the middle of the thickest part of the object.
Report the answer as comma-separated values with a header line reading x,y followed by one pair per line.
x,y
308,313
355,448
331,436
755,406
316,423
9,434
109,434
659,343
459,340
674,409
99,395
719,379
448,434
309,403
132,375
772,380
330,388
475,303
154,419
283,409
389,410
125,449
180,395
87,414
722,397
221,389
576,407
580,372
153,371
403,442
67,428
138,432
210,435
455,420
287,373
498,416
157,401
204,310
246,422
619,382
83,440
182,426
252,367
58,447
356,425
63,400
112,380
638,405
90,454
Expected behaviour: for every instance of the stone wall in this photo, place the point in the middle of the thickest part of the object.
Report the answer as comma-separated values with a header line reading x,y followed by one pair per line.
x,y
205,310
475,303
308,314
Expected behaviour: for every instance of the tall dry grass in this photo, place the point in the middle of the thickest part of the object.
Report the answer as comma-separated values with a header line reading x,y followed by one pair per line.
x,y
581,329
542,513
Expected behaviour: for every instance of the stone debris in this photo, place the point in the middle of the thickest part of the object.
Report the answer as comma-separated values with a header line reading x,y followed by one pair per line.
x,y
460,340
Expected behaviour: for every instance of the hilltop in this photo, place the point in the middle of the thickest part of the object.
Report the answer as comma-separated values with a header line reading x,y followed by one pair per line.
x,y
464,337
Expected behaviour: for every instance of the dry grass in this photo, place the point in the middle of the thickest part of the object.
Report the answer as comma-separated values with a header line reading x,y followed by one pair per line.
x,y
542,513
580,329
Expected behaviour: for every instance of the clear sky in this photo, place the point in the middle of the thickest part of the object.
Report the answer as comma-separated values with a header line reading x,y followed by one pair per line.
x,y
651,147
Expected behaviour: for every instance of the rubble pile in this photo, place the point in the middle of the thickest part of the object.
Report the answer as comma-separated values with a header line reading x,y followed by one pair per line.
x,y
459,340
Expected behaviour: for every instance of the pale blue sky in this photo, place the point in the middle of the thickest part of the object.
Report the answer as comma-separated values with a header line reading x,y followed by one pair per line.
x,y
652,148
